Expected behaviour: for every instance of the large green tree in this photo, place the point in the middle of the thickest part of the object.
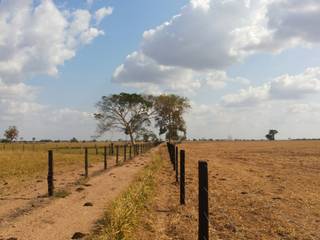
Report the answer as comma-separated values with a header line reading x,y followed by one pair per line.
x,y
128,113
169,115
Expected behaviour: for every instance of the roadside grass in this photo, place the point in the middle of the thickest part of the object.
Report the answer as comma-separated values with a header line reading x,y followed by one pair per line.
x,y
123,216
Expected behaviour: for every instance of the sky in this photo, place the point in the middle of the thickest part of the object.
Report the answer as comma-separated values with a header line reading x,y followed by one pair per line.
x,y
246,66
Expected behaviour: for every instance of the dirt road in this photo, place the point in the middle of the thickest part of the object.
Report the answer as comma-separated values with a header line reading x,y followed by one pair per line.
x,y
62,217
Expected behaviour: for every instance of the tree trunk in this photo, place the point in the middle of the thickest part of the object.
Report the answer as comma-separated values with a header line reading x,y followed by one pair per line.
x,y
131,138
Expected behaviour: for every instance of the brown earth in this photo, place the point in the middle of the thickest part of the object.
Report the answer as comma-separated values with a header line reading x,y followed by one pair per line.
x,y
28,214
257,190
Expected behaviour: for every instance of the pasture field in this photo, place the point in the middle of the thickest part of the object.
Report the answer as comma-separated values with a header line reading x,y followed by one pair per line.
x,y
44,146
23,164
257,190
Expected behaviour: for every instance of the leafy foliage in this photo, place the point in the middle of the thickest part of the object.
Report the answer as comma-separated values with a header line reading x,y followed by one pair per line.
x,y
11,133
271,135
169,115
128,113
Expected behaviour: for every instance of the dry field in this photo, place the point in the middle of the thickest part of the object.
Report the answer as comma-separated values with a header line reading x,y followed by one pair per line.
x,y
23,174
44,146
257,190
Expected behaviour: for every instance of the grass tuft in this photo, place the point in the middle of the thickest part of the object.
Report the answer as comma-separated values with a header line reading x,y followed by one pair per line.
x,y
61,193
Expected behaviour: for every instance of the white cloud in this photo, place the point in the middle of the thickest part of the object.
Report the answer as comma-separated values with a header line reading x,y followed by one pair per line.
x,y
142,71
101,13
202,4
296,86
90,2
20,90
200,39
209,36
247,97
295,20
287,86
36,39
219,79
295,120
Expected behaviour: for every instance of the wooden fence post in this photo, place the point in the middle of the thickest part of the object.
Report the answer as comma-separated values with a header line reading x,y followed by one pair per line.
x,y
105,158
203,201
124,153
182,177
177,163
173,153
86,164
135,150
112,149
130,152
50,173
96,149
117,155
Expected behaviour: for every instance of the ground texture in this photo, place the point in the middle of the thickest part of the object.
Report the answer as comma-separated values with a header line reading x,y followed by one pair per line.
x,y
28,214
257,190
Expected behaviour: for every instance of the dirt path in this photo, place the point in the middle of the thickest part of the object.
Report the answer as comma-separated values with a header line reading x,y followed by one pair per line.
x,y
61,218
164,210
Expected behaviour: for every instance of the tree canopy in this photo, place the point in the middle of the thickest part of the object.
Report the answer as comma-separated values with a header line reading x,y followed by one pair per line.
x,y
271,135
11,133
134,114
128,113
169,115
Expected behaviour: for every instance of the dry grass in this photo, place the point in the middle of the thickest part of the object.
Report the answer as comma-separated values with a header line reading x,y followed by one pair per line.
x,y
19,168
123,216
37,146
257,190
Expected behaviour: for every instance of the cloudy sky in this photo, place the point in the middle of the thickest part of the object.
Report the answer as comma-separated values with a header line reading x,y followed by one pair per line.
x,y
246,66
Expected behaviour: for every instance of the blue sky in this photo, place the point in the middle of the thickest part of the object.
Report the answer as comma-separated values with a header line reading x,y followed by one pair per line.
x,y
246,66
86,77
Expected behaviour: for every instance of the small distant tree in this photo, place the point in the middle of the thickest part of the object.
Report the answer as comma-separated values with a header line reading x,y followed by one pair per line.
x,y
169,115
11,133
271,135
125,112
74,140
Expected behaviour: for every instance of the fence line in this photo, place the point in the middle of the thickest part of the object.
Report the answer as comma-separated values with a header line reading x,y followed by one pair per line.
x,y
203,198
146,147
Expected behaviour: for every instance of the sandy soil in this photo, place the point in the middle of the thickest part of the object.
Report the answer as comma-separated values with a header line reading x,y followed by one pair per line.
x,y
257,190
29,215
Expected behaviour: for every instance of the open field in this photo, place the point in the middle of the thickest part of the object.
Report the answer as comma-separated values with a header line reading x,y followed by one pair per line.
x,y
19,166
45,146
79,212
23,174
257,190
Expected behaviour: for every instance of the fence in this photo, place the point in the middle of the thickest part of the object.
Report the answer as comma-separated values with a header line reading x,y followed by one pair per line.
x,y
66,147
203,204
129,151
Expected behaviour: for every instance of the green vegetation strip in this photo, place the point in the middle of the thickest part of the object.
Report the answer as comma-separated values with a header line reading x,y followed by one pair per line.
x,y
122,217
